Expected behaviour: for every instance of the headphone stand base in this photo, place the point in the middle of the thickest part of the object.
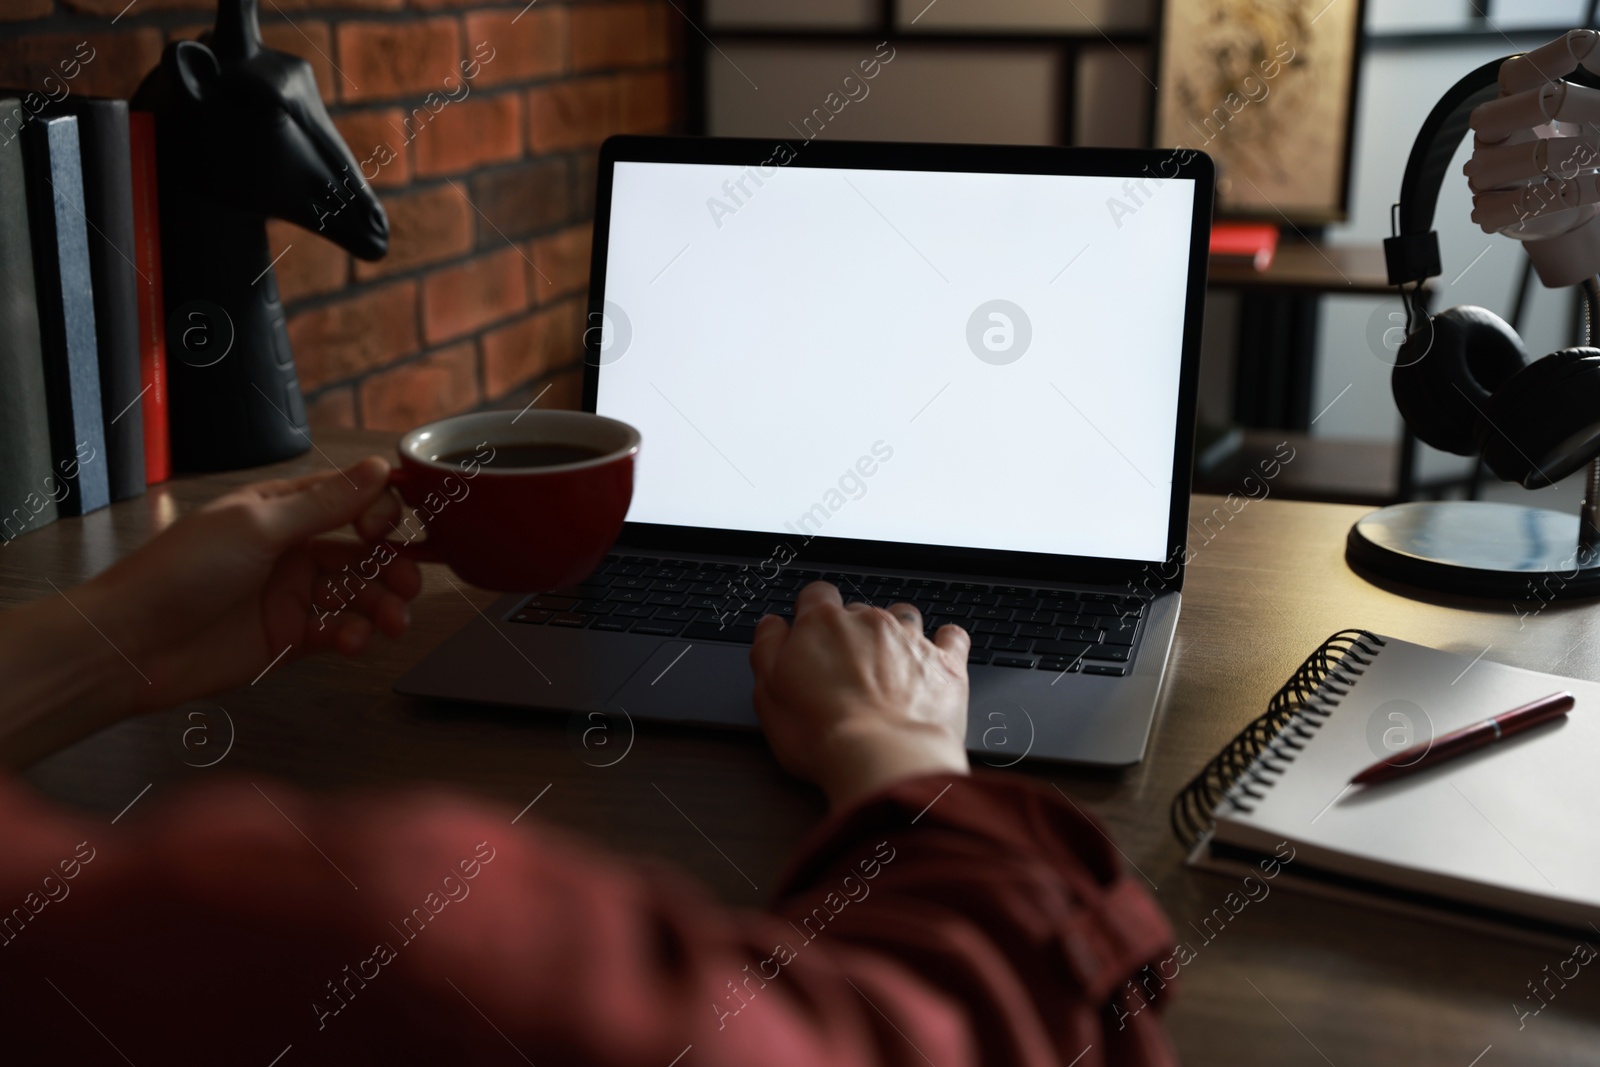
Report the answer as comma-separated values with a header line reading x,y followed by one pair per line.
x,y
1476,548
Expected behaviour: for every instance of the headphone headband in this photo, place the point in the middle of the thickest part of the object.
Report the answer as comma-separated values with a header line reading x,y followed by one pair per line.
x,y
1412,254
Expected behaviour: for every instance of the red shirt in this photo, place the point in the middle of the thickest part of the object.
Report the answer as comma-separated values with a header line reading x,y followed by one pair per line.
x,y
945,921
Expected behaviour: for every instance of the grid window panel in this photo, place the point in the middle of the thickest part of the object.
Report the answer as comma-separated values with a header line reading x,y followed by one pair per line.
x,y
791,14
1052,16
930,93
1113,98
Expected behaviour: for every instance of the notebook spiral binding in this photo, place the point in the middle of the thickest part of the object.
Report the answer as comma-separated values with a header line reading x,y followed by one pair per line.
x,y
1252,760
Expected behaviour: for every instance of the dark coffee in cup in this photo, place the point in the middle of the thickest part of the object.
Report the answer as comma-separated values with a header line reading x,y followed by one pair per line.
x,y
508,457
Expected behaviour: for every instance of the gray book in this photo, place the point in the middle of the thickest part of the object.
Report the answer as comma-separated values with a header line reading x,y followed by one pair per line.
x,y
108,210
65,292
28,489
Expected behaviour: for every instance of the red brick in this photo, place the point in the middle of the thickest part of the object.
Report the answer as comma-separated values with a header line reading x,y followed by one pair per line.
x,y
17,10
351,5
426,227
566,391
560,264
584,168
520,201
619,35
573,340
461,299
530,347
647,102
467,135
442,383
378,141
112,8
333,409
355,334
574,114
310,267
108,64
515,354
526,46
382,60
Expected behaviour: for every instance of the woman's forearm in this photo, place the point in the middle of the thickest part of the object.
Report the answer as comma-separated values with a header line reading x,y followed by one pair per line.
x,y
61,679
948,920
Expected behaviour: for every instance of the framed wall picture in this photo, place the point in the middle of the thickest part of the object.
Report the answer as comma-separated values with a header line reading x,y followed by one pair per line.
x,y
1267,88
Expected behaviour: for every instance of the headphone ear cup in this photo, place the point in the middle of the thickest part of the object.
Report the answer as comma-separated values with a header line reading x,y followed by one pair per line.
x,y
1447,370
1544,422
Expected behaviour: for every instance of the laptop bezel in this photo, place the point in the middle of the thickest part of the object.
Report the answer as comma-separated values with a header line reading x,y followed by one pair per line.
x,y
1144,575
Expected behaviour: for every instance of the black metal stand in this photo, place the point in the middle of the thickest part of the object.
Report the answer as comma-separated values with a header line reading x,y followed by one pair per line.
x,y
1476,548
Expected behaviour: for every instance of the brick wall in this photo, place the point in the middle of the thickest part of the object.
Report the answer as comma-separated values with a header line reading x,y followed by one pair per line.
x,y
480,299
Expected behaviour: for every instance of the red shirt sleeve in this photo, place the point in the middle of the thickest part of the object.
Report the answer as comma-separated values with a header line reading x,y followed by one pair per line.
x,y
946,921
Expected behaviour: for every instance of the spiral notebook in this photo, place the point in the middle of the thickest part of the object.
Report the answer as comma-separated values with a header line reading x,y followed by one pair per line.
x,y
1505,838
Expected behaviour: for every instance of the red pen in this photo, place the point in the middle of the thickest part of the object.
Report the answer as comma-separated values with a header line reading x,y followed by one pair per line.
x,y
1467,738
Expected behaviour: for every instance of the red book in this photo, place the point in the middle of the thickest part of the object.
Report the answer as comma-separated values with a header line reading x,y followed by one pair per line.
x,y
1244,244
152,314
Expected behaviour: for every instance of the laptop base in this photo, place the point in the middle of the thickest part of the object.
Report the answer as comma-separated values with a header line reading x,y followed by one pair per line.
x,y
1014,714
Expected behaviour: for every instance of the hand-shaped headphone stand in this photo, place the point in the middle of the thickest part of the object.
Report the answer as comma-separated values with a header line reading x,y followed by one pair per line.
x,y
1463,380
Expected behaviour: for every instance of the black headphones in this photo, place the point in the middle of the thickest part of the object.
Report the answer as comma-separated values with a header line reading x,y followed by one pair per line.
x,y
1463,380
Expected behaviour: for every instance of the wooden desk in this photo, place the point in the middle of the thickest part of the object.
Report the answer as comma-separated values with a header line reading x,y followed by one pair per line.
x,y
1358,986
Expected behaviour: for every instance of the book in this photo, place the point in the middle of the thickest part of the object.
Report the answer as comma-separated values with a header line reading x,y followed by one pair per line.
x,y
1502,839
152,310
107,208
65,298
27,488
1244,244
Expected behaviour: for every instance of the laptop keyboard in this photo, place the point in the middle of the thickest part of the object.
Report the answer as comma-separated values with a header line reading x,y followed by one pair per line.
x,y
1010,626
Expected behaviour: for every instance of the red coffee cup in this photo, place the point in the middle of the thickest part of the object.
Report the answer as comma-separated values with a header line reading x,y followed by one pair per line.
x,y
515,529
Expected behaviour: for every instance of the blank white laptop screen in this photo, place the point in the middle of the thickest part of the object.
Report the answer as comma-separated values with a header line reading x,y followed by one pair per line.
x,y
983,361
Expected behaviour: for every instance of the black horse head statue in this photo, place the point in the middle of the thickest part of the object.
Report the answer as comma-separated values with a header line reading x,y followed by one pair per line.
x,y
242,136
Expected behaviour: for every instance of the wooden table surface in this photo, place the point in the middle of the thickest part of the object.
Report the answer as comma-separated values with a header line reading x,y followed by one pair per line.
x,y
1290,980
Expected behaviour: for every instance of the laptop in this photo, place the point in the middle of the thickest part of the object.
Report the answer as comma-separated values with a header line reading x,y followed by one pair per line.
x,y
960,376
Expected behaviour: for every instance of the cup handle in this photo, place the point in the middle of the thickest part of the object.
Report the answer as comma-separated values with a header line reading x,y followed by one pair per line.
x,y
400,480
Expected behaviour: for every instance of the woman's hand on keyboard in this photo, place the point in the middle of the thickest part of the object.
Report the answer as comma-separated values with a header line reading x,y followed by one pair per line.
x,y
856,698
